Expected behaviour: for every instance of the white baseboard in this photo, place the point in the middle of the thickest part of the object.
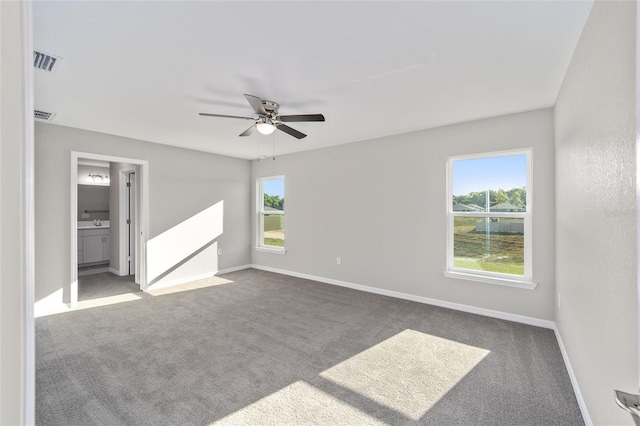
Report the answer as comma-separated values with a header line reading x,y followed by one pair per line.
x,y
116,272
420,299
234,269
459,307
53,304
574,380
179,281
184,280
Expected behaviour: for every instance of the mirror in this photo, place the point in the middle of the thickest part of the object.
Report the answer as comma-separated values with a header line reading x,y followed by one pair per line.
x,y
93,202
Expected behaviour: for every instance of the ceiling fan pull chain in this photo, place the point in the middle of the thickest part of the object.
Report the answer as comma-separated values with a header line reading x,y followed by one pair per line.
x,y
274,146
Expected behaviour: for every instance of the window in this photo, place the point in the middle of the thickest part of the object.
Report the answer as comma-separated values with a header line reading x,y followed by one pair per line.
x,y
271,213
489,218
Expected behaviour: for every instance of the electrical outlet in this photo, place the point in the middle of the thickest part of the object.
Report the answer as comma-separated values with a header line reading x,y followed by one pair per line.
x,y
338,260
219,252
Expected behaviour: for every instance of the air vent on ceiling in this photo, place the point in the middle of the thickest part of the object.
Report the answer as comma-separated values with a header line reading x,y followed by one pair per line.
x,y
46,62
43,115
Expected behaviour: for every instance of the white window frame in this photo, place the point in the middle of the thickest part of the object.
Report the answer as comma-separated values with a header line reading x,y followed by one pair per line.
x,y
525,281
260,246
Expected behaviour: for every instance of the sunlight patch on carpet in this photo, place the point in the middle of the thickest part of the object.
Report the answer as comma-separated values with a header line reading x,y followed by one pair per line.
x,y
91,303
298,404
130,297
105,301
191,285
408,372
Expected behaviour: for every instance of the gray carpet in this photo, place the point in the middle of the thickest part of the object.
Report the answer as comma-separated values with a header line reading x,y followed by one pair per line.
x,y
94,269
270,349
105,284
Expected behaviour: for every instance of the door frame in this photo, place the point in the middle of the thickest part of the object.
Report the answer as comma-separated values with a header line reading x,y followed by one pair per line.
x,y
123,231
143,217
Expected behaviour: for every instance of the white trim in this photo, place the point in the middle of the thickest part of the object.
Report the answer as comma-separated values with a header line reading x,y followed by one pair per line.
x,y
233,269
517,215
184,280
637,337
574,380
116,272
526,280
143,215
123,237
420,299
484,154
529,285
178,281
28,205
271,250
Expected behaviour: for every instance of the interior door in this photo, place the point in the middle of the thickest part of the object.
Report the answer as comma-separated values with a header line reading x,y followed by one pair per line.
x,y
131,215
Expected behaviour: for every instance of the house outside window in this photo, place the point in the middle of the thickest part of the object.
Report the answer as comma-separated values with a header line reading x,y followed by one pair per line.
x,y
489,204
271,213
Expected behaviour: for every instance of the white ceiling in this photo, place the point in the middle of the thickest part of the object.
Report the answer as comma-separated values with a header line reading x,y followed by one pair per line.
x,y
146,69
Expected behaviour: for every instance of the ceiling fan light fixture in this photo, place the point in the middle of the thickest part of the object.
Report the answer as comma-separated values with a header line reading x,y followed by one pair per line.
x,y
268,119
266,128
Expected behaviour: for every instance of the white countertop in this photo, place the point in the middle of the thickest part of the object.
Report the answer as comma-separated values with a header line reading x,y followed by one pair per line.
x,y
90,225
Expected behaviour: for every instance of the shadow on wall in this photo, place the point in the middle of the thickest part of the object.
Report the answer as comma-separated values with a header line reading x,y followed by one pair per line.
x,y
176,246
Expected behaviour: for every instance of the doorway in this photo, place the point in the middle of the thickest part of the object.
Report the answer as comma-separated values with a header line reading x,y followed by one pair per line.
x,y
94,187
123,243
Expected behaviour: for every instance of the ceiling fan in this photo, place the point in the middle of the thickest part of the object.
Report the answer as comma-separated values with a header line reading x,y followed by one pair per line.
x,y
268,119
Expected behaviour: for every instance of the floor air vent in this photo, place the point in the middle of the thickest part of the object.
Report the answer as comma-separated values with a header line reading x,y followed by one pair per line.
x,y
43,115
46,62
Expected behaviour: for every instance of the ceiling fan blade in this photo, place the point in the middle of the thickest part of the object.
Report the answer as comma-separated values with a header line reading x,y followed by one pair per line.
x,y
292,132
256,104
206,114
248,131
301,117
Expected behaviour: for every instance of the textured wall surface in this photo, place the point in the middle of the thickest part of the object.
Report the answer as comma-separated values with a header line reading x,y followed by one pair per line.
x,y
596,212
12,218
381,206
182,183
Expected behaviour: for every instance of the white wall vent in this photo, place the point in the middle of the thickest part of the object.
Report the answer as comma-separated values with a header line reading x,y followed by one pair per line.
x,y
43,115
46,62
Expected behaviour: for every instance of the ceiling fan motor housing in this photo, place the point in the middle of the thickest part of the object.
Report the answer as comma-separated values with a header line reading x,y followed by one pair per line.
x,y
271,107
268,119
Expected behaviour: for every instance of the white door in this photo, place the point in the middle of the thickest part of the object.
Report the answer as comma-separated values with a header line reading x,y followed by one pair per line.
x,y
131,215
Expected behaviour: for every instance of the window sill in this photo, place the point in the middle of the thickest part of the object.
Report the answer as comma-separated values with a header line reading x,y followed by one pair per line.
x,y
271,250
528,285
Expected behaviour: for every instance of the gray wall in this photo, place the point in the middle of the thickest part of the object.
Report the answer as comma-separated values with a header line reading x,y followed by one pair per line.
x,y
596,185
380,205
182,183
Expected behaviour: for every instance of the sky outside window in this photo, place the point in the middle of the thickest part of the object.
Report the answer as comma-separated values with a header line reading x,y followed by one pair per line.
x,y
273,187
481,174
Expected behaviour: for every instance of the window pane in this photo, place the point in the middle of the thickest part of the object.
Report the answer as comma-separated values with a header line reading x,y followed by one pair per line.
x,y
500,180
489,244
273,194
273,226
